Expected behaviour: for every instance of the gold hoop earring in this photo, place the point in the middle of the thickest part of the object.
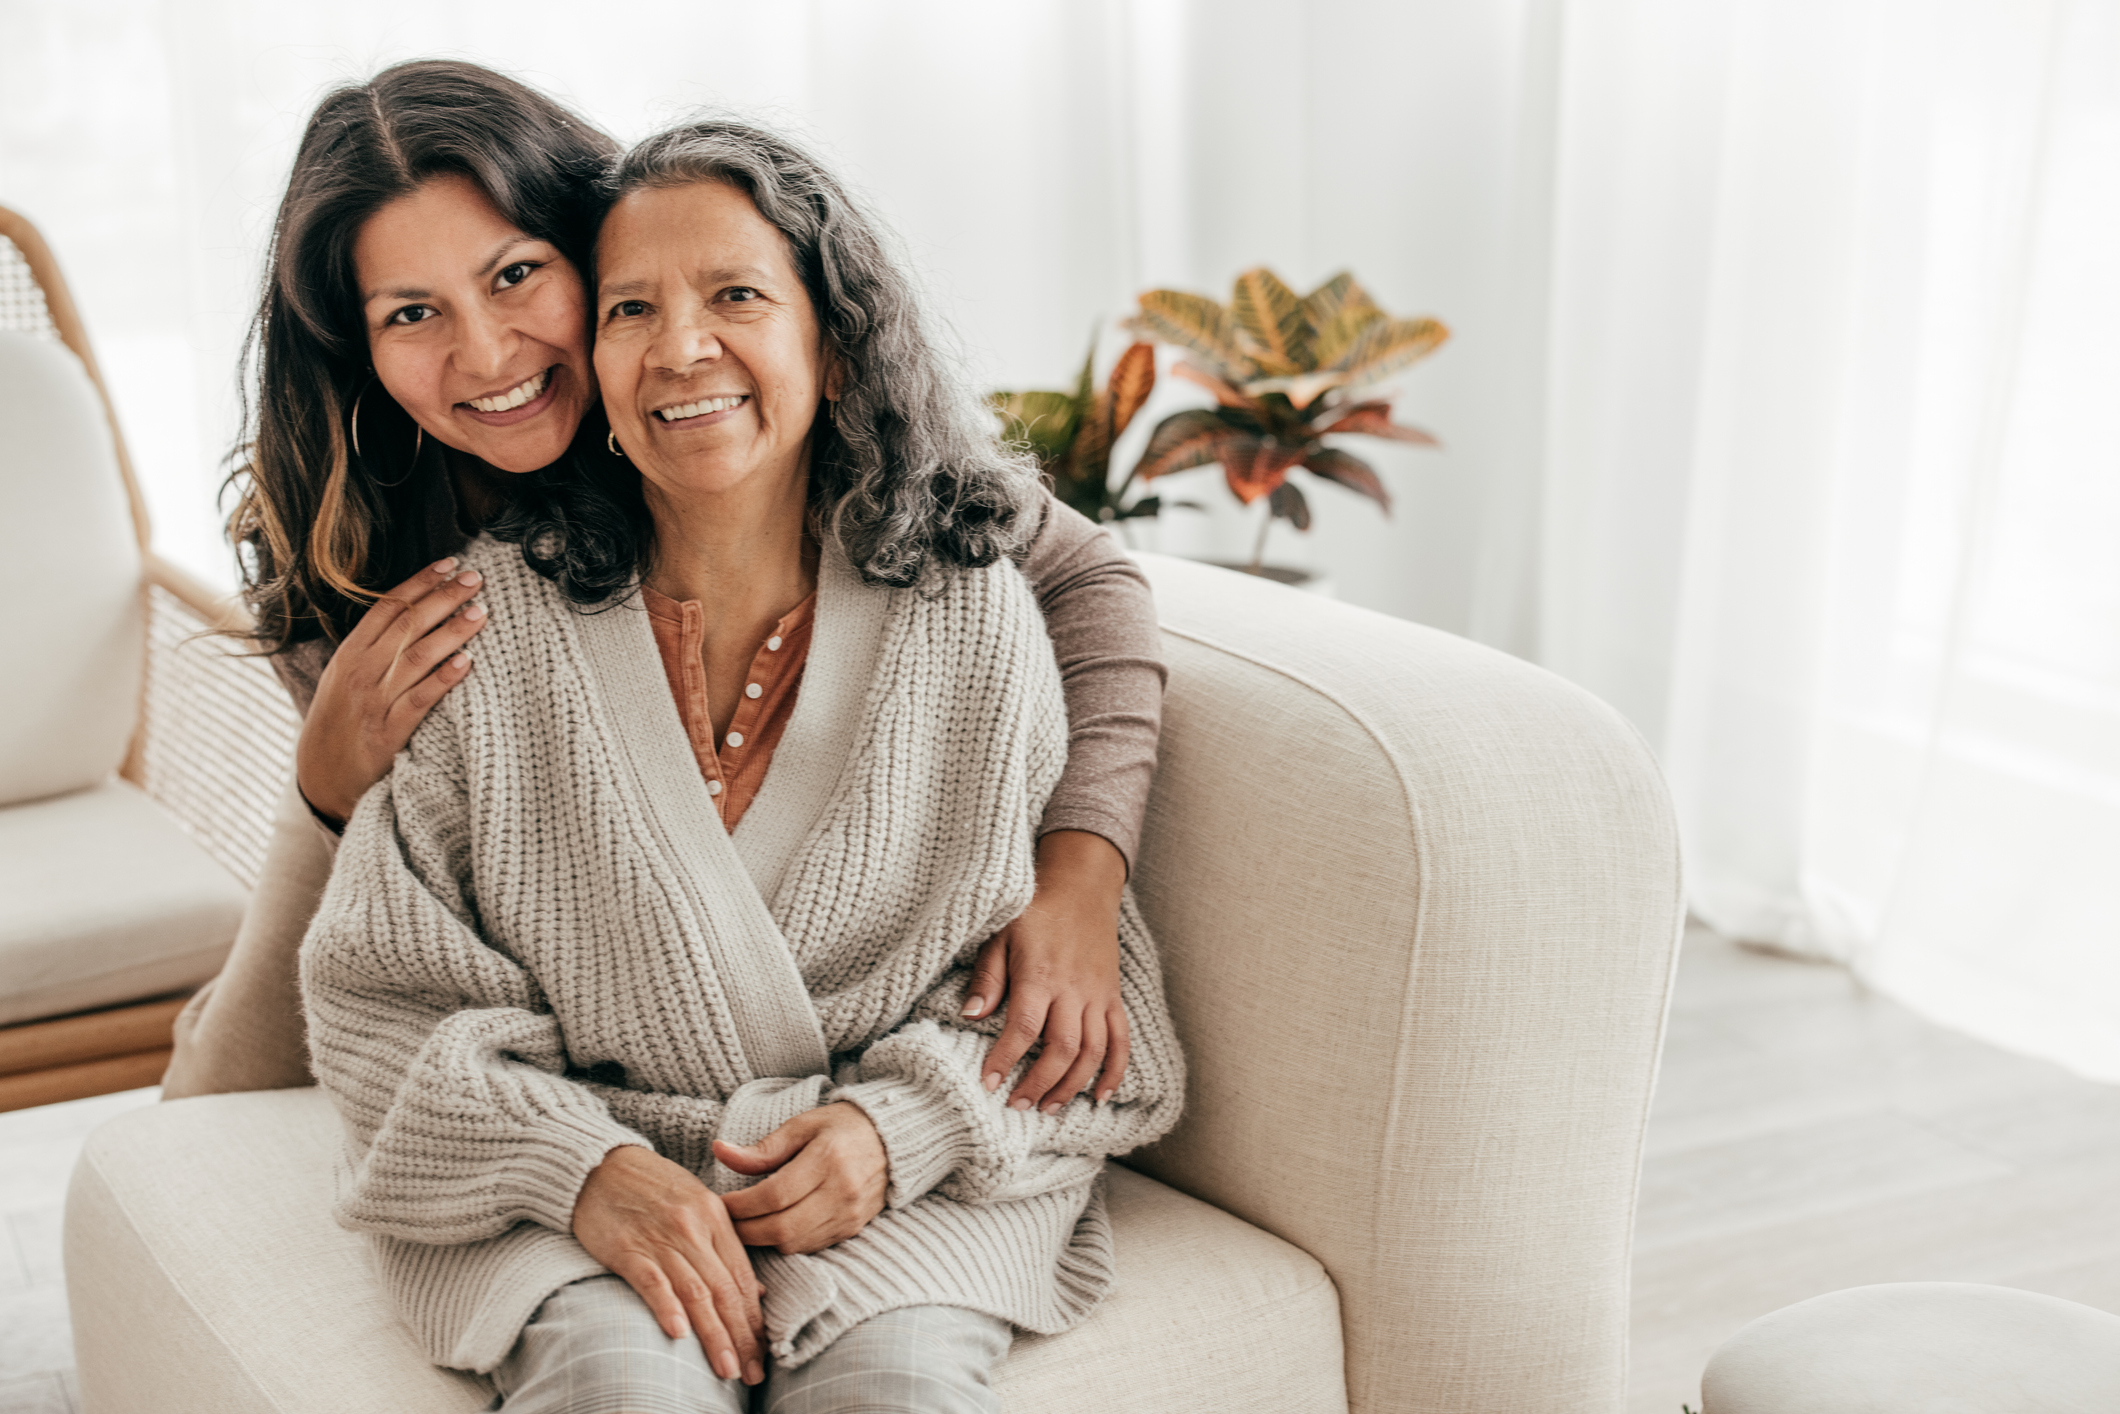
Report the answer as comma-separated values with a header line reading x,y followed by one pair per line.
x,y
611,441
419,440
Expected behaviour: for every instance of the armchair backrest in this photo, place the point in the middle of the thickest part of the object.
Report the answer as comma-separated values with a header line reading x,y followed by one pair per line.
x,y
1418,906
73,630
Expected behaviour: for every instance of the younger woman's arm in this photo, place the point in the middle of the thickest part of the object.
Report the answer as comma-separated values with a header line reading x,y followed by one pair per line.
x,y
1057,965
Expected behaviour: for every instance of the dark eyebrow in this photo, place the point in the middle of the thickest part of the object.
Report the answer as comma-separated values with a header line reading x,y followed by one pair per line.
x,y
493,262
625,289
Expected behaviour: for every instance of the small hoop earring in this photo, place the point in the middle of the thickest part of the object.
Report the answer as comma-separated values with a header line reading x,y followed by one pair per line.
x,y
611,441
355,421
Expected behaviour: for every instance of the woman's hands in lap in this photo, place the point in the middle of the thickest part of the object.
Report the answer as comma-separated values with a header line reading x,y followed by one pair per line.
x,y
670,1237
1058,966
395,665
829,1177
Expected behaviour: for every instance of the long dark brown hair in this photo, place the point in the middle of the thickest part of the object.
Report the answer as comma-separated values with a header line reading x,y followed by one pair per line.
x,y
323,528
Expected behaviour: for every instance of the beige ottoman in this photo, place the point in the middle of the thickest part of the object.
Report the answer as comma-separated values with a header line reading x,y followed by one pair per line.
x,y
1927,1347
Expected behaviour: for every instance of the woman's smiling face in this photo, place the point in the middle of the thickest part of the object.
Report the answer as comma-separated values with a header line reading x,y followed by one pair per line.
x,y
708,350
479,331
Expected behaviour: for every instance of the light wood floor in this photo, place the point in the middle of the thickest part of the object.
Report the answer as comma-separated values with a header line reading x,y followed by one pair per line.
x,y
1809,1136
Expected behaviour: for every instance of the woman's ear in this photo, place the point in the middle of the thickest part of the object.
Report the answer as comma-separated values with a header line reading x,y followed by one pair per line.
x,y
835,374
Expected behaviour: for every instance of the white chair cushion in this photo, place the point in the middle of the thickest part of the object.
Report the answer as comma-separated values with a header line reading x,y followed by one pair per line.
x,y
1928,1347
103,899
73,636
205,1274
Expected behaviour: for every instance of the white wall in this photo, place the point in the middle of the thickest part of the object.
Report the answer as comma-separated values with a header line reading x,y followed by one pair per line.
x,y
1044,162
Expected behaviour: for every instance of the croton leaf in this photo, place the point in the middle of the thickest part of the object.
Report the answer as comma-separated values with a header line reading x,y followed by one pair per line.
x,y
1269,311
1190,438
1045,421
1089,459
1195,322
1301,390
1339,335
1133,377
1351,472
1389,345
1225,394
1254,466
1288,504
1325,303
1373,419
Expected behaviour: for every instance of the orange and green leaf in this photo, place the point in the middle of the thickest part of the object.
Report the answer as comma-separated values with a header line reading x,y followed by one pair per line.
x,y
1254,466
1270,313
1352,472
1225,394
1195,322
1186,439
1373,419
1043,421
1329,300
1390,344
1133,377
1339,335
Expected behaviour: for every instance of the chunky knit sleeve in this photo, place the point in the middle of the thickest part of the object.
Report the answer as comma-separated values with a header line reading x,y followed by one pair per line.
x,y
943,1131
1101,618
437,1048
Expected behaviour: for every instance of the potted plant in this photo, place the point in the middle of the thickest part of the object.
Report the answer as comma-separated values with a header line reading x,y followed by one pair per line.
x,y
1072,434
1286,374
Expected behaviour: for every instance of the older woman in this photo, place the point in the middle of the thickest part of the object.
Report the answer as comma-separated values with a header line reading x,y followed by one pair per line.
x,y
422,353
601,1012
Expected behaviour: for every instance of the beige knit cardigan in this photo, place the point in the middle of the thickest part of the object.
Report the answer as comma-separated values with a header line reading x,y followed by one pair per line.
x,y
539,943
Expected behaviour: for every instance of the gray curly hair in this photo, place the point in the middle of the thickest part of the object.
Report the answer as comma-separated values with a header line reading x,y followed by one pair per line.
x,y
906,477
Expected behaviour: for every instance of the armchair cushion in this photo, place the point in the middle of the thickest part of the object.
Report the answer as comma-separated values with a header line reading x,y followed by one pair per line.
x,y
107,901
74,633
206,1275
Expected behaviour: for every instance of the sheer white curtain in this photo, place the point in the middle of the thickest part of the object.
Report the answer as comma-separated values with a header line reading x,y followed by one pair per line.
x,y
1832,496
1775,411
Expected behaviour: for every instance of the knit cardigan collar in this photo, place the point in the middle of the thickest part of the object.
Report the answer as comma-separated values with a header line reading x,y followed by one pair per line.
x,y
819,741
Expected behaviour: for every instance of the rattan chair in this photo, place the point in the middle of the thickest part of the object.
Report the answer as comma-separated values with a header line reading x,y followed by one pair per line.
x,y
114,694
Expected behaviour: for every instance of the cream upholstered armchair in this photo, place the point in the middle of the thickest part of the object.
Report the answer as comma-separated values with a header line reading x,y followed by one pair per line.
x,y
130,747
1418,906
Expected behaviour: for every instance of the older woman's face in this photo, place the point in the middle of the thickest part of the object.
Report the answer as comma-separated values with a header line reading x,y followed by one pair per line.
x,y
710,356
480,331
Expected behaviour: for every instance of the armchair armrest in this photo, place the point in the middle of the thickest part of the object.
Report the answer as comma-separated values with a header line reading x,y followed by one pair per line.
x,y
1419,907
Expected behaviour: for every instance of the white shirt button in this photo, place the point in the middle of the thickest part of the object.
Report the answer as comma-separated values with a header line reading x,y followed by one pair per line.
x,y
736,738
713,787
752,689
773,644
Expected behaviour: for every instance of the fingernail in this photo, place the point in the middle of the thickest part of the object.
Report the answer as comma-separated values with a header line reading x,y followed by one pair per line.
x,y
474,611
468,577
1053,1108
443,566
753,1373
1103,1095
727,1366
973,1008
1021,1102
460,660
993,1081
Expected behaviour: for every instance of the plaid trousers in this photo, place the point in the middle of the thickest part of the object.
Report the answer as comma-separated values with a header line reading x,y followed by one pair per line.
x,y
594,1348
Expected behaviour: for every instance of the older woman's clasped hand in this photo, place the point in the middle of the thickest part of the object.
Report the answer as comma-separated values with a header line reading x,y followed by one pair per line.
x,y
653,1223
681,1245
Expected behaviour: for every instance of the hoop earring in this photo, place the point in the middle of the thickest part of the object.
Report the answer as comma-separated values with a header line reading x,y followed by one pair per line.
x,y
611,441
419,438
